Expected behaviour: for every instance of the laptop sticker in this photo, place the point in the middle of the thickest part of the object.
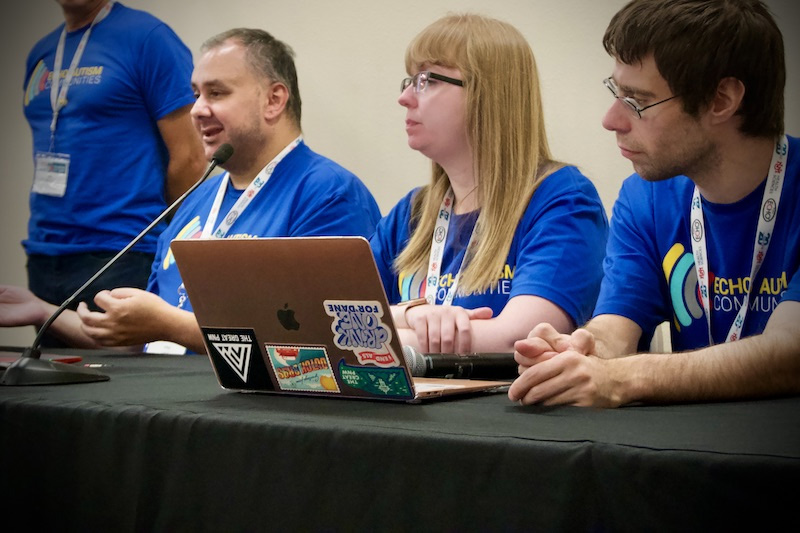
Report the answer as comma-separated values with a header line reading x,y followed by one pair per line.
x,y
376,381
357,327
302,368
236,357
235,348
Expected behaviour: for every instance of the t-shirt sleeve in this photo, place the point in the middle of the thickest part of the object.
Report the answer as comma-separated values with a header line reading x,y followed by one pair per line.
x,y
562,247
633,277
165,72
152,281
792,292
389,239
336,203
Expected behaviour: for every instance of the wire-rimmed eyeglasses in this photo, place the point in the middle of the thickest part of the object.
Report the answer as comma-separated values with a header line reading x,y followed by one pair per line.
x,y
611,85
421,79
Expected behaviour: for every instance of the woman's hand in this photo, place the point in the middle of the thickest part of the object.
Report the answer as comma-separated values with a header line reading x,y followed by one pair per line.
x,y
444,328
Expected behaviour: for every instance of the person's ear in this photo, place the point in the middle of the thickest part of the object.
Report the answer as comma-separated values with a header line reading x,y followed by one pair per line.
x,y
277,97
727,100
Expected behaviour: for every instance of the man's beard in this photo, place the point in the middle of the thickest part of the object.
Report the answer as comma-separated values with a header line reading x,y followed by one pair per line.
x,y
693,162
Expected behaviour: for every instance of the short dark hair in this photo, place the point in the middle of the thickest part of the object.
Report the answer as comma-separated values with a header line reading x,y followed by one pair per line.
x,y
269,57
697,43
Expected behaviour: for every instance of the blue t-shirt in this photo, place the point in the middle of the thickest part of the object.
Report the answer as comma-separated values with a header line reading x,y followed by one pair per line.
x,y
306,195
556,253
649,269
134,71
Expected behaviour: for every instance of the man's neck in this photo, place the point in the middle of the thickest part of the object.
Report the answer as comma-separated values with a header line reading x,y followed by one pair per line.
x,y
76,18
277,142
741,167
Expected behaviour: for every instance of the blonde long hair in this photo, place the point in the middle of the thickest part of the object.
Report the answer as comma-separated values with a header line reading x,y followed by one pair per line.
x,y
505,130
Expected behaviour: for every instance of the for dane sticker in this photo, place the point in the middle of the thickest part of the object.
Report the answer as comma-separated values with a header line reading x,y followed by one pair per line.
x,y
357,326
302,368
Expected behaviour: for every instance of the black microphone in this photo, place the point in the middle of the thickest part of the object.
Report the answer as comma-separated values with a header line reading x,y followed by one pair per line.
x,y
452,365
30,369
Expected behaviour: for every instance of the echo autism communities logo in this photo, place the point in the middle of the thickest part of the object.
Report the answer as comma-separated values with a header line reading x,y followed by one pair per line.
x,y
682,281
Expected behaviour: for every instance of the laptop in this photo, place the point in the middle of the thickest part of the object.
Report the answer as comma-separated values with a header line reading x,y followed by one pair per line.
x,y
302,316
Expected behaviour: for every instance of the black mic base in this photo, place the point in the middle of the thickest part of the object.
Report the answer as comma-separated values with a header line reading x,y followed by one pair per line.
x,y
31,370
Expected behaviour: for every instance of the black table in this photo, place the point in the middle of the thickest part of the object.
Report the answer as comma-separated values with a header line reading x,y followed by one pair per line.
x,y
160,447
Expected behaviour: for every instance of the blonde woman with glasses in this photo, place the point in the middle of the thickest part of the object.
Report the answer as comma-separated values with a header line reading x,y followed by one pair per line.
x,y
503,237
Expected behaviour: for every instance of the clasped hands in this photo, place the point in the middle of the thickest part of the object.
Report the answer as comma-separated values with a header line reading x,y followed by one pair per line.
x,y
558,369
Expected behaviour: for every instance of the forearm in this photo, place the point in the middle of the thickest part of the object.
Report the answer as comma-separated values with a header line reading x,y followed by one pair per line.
x,y
399,312
67,328
399,316
481,332
520,315
186,159
408,338
181,327
182,172
496,335
763,365
614,336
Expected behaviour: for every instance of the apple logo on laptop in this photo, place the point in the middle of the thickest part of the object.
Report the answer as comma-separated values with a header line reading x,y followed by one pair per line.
x,y
287,319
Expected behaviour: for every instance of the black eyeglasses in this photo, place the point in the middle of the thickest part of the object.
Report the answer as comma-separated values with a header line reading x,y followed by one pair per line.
x,y
612,86
420,81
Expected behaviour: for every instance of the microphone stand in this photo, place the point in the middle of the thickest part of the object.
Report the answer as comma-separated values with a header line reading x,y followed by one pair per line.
x,y
31,369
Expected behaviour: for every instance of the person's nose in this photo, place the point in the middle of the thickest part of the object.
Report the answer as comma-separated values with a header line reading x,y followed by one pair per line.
x,y
617,118
200,108
408,98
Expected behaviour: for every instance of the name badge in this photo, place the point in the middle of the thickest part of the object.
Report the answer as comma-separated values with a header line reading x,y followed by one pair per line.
x,y
164,348
50,175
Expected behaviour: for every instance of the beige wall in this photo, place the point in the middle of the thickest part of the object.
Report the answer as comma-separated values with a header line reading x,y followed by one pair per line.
x,y
350,62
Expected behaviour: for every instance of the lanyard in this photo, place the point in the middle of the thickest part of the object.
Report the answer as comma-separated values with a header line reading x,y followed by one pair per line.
x,y
246,197
437,253
59,99
766,223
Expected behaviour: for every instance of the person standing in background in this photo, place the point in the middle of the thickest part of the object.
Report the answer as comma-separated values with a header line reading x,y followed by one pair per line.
x,y
107,96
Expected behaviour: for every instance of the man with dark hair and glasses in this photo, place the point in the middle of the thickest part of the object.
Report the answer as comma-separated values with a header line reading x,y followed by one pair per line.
x,y
704,235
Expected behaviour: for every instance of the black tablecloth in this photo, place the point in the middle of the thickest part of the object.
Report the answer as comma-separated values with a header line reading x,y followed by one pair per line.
x,y
160,447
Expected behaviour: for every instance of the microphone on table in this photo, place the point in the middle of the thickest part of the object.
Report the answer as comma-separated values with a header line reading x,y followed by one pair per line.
x,y
452,365
30,369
